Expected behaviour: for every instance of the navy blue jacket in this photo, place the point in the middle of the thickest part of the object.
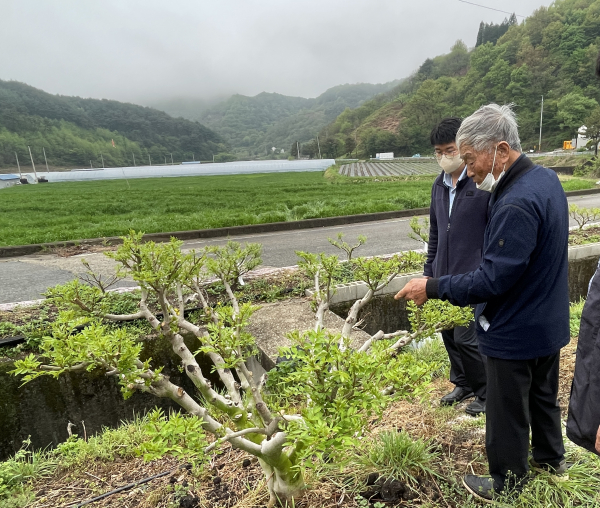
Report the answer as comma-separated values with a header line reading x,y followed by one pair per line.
x,y
521,285
456,241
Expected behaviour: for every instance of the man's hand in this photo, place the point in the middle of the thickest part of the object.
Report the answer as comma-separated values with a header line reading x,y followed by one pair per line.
x,y
414,290
598,440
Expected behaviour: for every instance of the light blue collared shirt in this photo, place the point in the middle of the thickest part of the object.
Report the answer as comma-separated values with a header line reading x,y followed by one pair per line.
x,y
452,188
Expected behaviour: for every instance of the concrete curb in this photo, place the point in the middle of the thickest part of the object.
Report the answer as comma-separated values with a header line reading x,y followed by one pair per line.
x,y
23,250
352,291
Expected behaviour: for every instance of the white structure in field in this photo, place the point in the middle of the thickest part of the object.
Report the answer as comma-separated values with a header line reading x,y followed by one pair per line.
x,y
8,180
225,168
385,155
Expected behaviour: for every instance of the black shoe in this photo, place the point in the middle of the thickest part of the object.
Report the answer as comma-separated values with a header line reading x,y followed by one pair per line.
x,y
476,408
455,396
559,474
481,487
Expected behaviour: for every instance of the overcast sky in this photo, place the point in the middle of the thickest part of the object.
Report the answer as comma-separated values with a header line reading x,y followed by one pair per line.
x,y
142,50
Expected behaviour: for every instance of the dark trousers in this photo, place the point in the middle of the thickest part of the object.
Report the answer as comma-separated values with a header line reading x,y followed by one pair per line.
x,y
522,394
467,365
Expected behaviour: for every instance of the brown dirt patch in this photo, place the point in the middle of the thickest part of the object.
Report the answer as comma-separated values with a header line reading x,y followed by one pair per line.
x,y
588,235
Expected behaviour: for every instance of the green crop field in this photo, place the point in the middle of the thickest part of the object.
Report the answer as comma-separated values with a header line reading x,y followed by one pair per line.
x,y
71,211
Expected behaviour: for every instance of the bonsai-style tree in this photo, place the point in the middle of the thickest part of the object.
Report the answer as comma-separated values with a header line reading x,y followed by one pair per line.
x,y
584,216
340,387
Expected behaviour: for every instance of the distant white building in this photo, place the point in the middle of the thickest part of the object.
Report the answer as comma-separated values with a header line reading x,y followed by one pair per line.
x,y
385,155
581,140
8,180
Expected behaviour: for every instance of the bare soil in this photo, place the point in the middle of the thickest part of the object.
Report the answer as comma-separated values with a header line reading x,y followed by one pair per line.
x,y
587,235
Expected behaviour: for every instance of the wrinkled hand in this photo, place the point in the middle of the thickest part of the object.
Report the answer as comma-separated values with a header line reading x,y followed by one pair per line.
x,y
414,290
598,441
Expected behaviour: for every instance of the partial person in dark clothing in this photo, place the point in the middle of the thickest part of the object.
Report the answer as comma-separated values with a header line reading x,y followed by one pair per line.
x,y
583,422
458,216
521,288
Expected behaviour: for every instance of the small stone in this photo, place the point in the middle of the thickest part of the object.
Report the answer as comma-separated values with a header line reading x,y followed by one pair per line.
x,y
246,463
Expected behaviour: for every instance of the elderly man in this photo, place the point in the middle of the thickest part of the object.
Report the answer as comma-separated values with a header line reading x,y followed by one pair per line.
x,y
521,289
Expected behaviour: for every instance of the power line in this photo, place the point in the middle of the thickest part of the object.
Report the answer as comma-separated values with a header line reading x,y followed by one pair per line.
x,y
491,8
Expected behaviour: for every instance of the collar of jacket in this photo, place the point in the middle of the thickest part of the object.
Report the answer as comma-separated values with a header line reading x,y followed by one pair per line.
x,y
521,166
459,184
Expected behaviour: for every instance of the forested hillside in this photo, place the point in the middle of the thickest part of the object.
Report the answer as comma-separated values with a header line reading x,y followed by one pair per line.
x,y
253,125
74,131
552,53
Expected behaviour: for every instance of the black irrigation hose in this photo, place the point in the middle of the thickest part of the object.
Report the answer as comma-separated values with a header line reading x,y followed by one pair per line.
x,y
127,487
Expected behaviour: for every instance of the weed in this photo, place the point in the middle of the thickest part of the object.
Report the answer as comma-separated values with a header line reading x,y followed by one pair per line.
x,y
397,455
109,444
575,311
26,465
178,435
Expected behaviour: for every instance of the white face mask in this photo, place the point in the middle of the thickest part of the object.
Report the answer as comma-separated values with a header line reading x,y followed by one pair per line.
x,y
489,182
450,164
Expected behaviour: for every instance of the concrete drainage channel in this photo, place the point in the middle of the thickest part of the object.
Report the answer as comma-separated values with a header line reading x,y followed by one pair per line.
x,y
41,409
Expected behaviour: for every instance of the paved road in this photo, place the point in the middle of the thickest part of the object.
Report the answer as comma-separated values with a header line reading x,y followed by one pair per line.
x,y
25,278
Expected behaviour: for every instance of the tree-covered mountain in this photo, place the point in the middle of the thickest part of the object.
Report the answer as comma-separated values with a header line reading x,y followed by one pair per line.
x,y
253,125
552,53
74,131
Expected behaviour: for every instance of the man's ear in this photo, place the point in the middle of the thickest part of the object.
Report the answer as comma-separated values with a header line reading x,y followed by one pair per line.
x,y
503,152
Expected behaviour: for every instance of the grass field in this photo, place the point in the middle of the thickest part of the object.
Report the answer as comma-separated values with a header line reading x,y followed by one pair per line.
x,y
71,211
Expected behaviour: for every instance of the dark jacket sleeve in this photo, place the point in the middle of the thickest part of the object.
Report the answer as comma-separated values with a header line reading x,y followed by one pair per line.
x,y
433,239
512,238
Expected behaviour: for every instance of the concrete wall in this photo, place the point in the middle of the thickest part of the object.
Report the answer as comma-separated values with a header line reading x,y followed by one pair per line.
x,y
43,408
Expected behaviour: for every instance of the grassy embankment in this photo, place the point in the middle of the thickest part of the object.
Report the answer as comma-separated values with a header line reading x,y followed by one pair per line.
x,y
71,211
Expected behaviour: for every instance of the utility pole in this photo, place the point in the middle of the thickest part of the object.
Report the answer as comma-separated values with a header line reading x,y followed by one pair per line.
x,y
193,157
172,160
18,166
298,148
149,159
133,155
91,167
102,161
541,119
47,168
32,164
319,145
165,160
213,158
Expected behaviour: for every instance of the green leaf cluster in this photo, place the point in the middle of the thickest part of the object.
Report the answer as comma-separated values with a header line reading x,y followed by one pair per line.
x,y
227,336
96,346
339,389
177,435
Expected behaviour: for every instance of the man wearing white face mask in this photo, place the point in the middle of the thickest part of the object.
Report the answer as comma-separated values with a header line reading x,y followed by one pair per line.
x,y
458,216
521,288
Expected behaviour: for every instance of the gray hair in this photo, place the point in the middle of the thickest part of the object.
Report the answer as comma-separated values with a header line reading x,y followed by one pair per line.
x,y
489,125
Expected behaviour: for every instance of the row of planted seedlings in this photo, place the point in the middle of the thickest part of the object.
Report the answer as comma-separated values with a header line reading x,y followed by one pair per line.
x,y
309,410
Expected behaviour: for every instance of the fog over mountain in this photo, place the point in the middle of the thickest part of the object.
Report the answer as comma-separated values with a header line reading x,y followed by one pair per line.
x,y
151,50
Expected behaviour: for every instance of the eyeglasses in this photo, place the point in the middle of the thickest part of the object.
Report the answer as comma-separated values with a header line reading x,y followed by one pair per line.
x,y
450,154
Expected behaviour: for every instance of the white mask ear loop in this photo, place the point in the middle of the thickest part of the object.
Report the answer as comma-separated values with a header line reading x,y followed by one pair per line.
x,y
494,161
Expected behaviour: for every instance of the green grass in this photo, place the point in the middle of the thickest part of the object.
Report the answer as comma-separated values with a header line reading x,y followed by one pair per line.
x,y
78,210
71,211
574,184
